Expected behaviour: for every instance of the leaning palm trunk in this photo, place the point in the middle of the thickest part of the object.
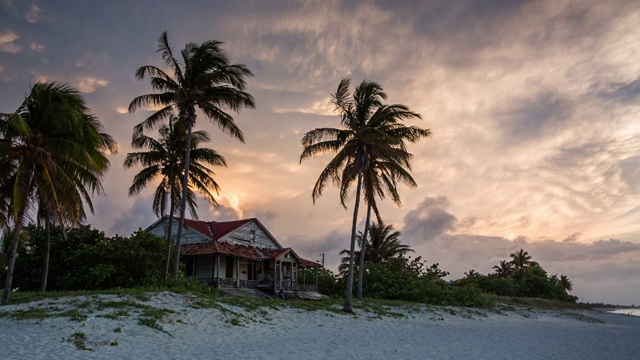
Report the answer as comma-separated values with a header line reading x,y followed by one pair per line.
x,y
13,249
170,232
349,294
183,200
363,251
47,251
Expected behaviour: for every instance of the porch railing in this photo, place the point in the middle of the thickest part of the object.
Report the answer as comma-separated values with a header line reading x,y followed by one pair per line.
x,y
284,285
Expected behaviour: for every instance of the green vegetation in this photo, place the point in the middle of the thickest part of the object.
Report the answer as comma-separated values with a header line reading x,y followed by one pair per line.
x,y
370,149
165,160
52,159
205,80
522,277
79,340
85,259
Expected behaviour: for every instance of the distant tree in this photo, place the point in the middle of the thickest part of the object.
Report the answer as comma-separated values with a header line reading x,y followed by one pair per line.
x,y
206,80
53,156
471,274
566,283
165,160
383,244
503,269
522,264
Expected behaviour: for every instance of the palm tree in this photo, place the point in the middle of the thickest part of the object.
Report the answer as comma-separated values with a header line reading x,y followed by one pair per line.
x,y
165,159
503,269
521,262
566,283
471,274
53,156
370,132
206,81
383,244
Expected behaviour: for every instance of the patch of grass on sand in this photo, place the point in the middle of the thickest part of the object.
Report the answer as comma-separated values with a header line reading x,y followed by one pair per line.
x,y
537,303
38,313
150,317
79,339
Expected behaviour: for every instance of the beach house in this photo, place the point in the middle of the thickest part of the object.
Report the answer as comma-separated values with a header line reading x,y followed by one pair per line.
x,y
240,254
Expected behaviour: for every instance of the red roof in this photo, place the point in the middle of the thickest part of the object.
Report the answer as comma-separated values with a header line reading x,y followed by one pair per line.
x,y
304,263
224,248
215,231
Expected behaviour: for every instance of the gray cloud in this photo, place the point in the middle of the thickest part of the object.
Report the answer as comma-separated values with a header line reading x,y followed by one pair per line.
x,y
428,221
139,215
624,93
528,119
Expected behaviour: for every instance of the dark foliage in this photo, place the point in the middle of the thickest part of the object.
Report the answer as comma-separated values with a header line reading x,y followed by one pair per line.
x,y
536,284
88,260
327,282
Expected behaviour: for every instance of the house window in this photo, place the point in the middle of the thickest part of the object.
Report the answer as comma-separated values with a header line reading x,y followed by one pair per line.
x,y
252,236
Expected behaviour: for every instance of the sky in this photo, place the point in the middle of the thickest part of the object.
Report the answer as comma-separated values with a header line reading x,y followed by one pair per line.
x,y
534,108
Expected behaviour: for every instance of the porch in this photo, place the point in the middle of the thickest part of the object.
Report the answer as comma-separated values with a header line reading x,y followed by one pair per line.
x,y
268,275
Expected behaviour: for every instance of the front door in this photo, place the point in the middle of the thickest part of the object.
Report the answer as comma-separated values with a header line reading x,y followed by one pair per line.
x,y
229,267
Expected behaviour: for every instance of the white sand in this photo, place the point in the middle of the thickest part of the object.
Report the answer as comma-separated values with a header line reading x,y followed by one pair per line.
x,y
425,333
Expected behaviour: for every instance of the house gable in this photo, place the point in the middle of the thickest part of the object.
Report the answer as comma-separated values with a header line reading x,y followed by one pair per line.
x,y
194,231
252,233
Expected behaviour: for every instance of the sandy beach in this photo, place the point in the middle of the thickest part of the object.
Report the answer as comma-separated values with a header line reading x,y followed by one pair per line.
x,y
98,327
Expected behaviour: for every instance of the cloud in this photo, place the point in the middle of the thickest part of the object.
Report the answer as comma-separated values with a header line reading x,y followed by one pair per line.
x,y
89,84
530,118
312,247
139,215
36,47
428,221
34,14
7,42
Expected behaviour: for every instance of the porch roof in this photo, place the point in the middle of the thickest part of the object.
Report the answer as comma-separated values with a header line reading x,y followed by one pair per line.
x,y
224,248
304,263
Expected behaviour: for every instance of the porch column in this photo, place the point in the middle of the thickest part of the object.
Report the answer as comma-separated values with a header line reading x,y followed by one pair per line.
x,y
213,267
237,272
218,270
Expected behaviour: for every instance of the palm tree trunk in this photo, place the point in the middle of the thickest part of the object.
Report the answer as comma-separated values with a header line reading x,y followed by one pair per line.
x,y
349,294
363,251
47,250
183,201
170,232
13,249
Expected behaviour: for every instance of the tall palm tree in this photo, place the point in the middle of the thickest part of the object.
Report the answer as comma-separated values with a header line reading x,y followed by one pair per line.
x,y
382,244
53,156
205,80
370,131
165,159
382,176
521,262
503,269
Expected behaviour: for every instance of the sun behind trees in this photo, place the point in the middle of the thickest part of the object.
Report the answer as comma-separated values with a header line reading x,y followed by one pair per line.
x,y
205,80
165,159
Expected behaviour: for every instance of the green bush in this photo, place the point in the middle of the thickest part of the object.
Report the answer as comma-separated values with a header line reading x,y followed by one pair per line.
x,y
88,260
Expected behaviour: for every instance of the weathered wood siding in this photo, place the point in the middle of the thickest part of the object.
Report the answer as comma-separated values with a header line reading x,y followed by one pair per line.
x,y
188,236
242,236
